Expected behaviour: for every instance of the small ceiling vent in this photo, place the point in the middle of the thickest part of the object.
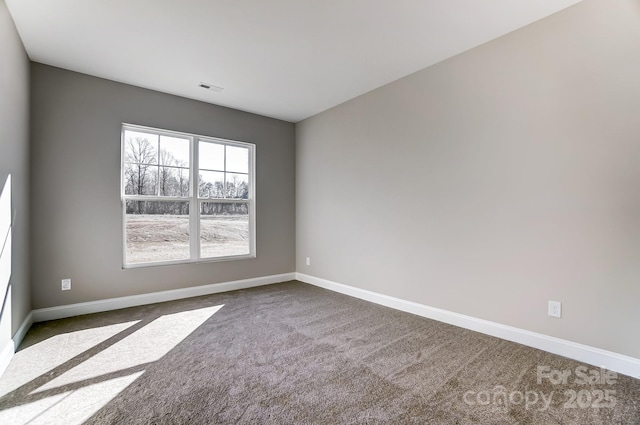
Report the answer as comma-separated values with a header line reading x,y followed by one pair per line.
x,y
211,87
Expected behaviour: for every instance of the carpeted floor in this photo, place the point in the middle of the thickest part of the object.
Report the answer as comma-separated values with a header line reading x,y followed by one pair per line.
x,y
292,353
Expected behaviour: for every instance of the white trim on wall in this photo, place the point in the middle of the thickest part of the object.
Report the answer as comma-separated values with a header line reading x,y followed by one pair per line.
x,y
10,348
52,313
6,355
22,330
591,355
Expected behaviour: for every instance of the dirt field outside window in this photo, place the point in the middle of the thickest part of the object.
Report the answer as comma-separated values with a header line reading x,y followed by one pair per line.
x,y
155,238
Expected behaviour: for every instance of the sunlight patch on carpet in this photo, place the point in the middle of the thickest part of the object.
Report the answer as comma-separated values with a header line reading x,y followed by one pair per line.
x,y
30,363
144,346
70,408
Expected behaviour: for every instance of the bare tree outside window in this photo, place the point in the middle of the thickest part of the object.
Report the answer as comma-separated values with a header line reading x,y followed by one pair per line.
x,y
140,158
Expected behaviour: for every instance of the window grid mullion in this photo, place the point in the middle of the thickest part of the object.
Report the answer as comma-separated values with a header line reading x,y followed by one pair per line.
x,y
225,200
158,167
194,211
150,198
224,175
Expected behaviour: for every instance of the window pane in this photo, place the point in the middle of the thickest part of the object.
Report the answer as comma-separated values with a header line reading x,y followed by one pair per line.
x,y
224,229
161,183
141,148
174,151
140,179
211,156
173,181
156,231
237,159
211,184
237,186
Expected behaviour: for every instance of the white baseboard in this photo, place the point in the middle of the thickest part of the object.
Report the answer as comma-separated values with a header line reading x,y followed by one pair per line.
x,y
22,330
6,355
591,355
53,313
10,348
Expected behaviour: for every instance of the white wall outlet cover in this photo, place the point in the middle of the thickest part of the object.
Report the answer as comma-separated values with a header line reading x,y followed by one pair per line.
x,y
555,309
66,284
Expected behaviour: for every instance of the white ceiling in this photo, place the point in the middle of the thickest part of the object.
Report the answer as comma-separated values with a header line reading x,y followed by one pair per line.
x,y
288,59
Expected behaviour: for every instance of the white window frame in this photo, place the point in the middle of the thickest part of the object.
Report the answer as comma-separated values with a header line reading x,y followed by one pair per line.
x,y
193,197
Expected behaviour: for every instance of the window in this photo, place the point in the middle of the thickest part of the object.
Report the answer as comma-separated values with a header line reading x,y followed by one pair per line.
x,y
186,198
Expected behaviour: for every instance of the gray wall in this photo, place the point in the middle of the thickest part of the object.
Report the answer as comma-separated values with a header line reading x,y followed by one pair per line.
x,y
14,160
492,182
76,210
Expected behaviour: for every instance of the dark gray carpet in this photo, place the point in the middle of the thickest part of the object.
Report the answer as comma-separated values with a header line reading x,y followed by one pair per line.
x,y
295,354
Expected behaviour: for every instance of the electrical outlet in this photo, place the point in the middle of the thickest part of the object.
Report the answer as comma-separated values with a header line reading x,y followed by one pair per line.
x,y
308,261
555,309
66,284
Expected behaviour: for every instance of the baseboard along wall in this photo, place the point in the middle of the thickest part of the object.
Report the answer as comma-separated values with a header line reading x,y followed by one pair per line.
x,y
6,354
53,313
591,355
